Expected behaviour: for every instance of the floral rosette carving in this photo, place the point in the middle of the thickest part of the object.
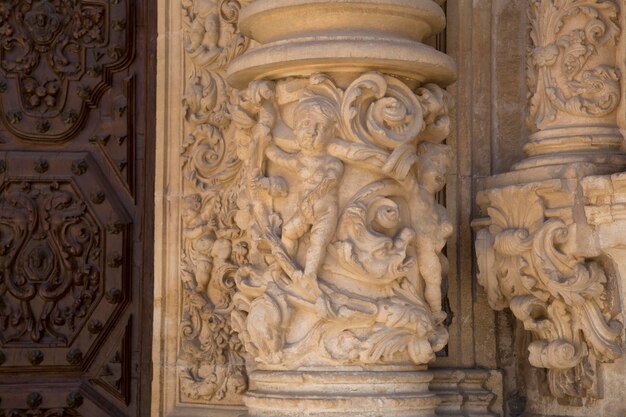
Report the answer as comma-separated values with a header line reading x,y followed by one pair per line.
x,y
571,63
330,279
212,250
561,298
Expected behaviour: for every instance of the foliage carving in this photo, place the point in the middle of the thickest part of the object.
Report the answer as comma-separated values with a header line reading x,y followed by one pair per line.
x,y
214,371
337,196
561,298
570,66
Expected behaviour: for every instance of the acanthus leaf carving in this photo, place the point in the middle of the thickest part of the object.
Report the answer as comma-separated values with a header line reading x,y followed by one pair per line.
x,y
558,296
569,70
214,371
331,282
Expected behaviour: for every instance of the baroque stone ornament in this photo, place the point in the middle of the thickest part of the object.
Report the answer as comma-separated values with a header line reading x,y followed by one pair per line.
x,y
213,371
345,236
527,264
56,61
573,76
312,238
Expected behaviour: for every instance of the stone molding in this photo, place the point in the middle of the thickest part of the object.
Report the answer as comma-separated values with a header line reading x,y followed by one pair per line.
x,y
467,392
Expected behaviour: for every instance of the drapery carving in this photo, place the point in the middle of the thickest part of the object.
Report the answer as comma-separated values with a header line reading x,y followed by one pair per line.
x,y
344,233
526,264
213,371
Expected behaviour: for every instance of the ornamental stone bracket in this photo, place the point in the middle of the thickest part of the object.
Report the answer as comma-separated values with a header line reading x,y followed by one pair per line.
x,y
538,256
548,239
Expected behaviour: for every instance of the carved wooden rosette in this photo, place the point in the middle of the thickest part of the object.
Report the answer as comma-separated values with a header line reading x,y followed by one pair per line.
x,y
531,261
574,81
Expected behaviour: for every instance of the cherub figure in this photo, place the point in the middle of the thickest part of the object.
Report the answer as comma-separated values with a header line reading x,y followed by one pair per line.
x,y
319,175
430,220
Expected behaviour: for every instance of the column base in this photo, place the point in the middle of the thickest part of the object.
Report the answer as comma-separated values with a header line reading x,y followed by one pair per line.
x,y
340,393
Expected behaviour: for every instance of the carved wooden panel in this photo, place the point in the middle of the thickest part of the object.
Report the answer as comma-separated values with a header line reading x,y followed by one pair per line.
x,y
75,156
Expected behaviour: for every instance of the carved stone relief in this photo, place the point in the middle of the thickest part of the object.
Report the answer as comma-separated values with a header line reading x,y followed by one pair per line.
x,y
564,73
536,253
529,263
311,234
573,77
213,370
337,193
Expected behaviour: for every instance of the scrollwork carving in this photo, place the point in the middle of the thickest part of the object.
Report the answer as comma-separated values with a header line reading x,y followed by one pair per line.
x,y
50,253
570,67
333,276
561,298
53,58
214,370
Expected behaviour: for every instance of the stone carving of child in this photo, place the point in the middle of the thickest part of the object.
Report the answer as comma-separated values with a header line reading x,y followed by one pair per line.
x,y
430,220
319,175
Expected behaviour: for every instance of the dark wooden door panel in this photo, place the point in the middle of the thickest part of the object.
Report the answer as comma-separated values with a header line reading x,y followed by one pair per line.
x,y
75,206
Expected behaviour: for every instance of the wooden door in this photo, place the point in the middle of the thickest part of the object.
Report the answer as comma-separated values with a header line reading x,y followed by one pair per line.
x,y
76,192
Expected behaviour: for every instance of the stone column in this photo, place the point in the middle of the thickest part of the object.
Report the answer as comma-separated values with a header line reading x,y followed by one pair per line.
x,y
538,254
338,126
574,83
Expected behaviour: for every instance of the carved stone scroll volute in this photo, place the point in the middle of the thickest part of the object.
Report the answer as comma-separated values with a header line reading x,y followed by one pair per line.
x,y
211,367
346,240
527,264
574,82
536,253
